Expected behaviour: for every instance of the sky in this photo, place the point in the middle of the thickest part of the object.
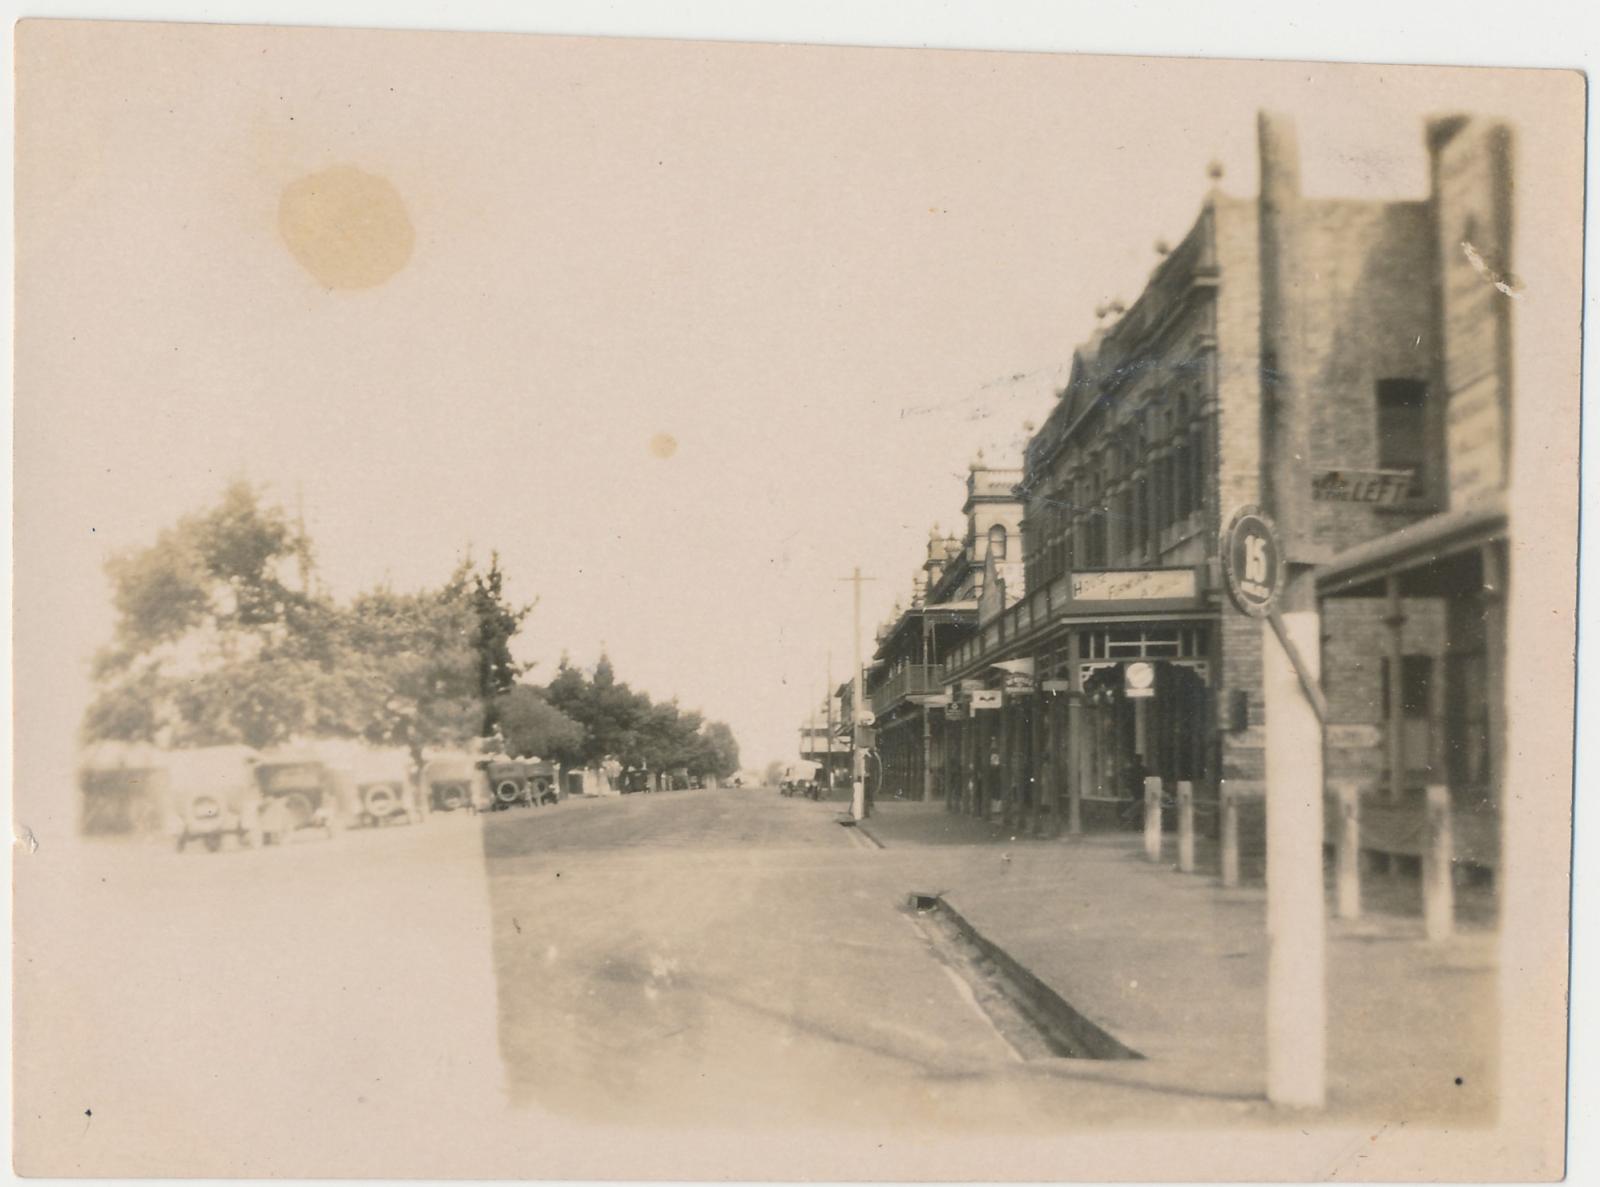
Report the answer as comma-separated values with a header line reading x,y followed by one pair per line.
x,y
683,331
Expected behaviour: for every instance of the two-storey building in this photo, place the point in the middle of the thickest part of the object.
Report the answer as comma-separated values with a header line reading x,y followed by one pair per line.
x,y
1125,659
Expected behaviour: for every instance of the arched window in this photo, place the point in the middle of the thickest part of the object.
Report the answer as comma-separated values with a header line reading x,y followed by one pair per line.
x,y
997,541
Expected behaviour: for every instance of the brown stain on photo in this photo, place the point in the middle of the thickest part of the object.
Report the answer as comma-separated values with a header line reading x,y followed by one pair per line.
x,y
663,445
347,227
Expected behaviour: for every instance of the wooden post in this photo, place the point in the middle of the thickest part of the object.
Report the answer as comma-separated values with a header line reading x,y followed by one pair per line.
x,y
1152,817
1347,843
1228,802
1185,826
1438,862
1395,620
1076,748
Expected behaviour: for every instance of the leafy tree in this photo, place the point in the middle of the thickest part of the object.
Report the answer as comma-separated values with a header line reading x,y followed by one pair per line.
x,y
533,727
610,712
497,624
719,751
413,679
213,645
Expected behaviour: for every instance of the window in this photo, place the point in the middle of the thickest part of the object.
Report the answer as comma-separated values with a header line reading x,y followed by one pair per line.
x,y
1402,427
1416,713
997,541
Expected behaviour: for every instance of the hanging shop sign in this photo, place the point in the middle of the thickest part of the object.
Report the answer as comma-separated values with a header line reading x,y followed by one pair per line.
x,y
1383,487
1253,561
1139,679
986,698
955,710
1019,682
1056,686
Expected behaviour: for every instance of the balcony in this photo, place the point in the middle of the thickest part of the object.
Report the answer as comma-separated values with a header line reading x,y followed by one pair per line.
x,y
908,681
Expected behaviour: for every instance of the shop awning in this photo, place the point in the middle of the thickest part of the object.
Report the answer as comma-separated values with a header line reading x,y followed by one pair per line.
x,y
1358,571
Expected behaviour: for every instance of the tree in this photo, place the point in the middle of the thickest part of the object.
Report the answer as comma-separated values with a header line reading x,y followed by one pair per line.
x,y
497,624
413,667
719,751
773,774
610,712
533,727
212,643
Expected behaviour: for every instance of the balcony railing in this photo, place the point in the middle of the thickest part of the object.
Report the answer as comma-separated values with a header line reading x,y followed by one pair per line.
x,y
1167,587
908,681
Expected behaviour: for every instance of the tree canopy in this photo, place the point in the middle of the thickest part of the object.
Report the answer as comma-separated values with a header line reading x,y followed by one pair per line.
x,y
222,638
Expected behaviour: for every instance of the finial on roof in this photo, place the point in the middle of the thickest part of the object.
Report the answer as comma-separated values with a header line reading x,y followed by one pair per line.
x,y
1117,306
977,461
1214,170
1100,311
1028,426
1162,247
934,533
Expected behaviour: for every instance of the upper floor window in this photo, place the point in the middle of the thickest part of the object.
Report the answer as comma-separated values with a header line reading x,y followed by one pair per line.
x,y
1402,428
997,541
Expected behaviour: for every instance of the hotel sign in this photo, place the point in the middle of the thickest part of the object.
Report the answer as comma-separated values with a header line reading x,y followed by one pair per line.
x,y
1383,487
1253,559
1121,585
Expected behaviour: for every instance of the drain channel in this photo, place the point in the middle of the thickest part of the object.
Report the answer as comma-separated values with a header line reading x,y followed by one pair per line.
x,y
1034,1020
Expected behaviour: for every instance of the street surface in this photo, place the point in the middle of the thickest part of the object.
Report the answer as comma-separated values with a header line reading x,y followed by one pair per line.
x,y
523,993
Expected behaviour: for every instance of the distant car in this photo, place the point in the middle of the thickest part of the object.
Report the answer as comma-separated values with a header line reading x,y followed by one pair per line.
x,y
206,818
296,795
382,802
519,781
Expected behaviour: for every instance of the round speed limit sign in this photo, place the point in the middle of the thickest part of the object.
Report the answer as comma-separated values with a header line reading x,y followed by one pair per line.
x,y
1253,561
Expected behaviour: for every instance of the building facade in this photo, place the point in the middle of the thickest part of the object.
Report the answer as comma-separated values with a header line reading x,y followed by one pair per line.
x,y
1332,331
909,703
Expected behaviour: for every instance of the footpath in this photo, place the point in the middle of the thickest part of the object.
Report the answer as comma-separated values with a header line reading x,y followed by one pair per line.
x,y
1174,966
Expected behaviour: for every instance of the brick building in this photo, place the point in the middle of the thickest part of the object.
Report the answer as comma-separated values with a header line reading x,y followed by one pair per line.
x,y
909,704
1123,656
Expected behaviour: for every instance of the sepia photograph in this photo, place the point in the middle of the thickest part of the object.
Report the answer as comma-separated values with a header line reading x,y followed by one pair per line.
x,y
623,608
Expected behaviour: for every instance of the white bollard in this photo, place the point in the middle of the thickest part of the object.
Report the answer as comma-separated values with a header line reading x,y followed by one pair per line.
x,y
1185,826
1347,856
1229,805
1438,861
1152,817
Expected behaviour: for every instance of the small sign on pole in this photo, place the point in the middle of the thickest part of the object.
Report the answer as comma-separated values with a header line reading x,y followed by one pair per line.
x,y
1139,679
1252,559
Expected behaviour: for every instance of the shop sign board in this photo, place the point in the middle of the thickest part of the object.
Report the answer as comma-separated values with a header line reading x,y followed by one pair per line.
x,y
1382,487
1122,585
986,698
1139,679
1056,685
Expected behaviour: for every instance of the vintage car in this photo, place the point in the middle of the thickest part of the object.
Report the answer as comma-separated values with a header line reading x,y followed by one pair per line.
x,y
451,783
544,782
210,796
508,782
207,819
297,795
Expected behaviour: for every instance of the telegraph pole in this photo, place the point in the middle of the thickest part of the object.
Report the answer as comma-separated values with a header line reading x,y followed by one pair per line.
x,y
829,702
858,756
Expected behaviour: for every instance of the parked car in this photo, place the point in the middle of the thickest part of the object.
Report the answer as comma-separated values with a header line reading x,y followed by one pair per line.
x,y
297,795
452,784
207,819
509,784
544,782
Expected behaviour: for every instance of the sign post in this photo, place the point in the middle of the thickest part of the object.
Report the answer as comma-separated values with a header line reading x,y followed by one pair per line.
x,y
1296,941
